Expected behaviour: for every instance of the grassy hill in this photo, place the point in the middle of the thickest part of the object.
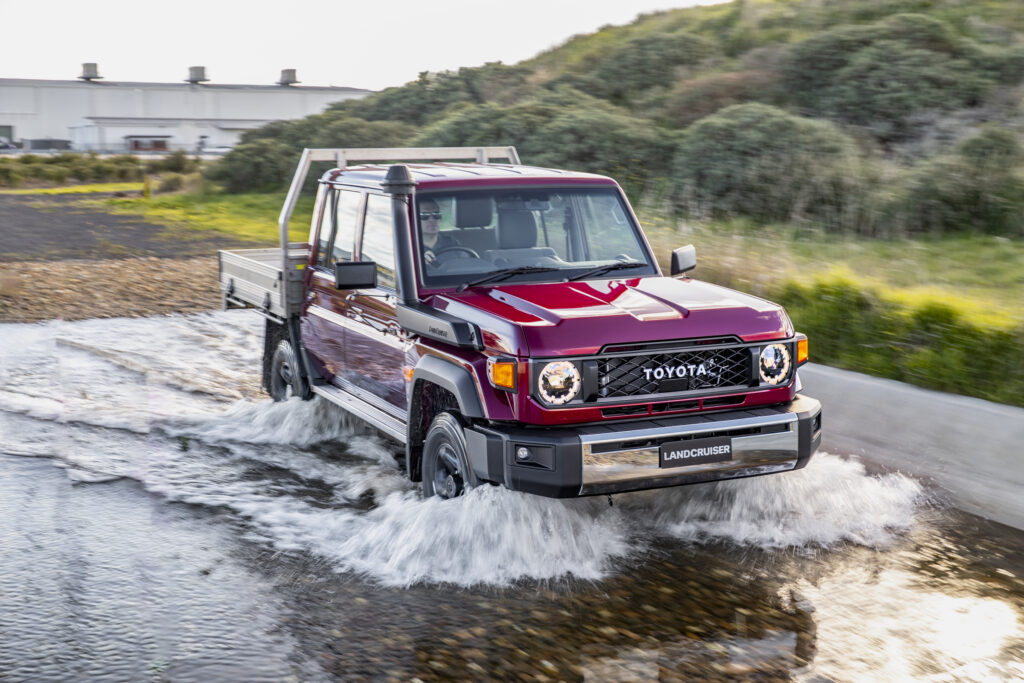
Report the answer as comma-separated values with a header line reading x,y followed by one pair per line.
x,y
872,117
861,161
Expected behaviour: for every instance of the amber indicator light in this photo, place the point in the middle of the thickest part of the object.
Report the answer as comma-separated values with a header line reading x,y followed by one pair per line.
x,y
801,351
502,373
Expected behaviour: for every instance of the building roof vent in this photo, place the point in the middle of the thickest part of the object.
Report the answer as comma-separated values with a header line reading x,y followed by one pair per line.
x,y
90,72
288,77
196,74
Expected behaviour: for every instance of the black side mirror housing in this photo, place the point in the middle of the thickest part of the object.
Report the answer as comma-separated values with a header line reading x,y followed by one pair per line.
x,y
683,259
355,274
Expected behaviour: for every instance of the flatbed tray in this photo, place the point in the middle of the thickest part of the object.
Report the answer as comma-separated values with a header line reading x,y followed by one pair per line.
x,y
255,278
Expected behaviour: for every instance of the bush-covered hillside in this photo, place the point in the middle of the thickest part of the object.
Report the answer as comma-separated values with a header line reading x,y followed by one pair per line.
x,y
869,117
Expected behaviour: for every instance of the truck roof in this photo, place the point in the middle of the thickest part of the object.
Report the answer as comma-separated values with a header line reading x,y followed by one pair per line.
x,y
443,175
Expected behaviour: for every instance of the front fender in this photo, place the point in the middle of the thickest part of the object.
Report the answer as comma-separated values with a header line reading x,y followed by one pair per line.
x,y
455,379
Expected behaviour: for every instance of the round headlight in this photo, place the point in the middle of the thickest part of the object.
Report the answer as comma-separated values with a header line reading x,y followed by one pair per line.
x,y
559,382
774,364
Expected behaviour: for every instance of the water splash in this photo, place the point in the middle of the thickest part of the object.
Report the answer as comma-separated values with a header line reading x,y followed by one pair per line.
x,y
830,501
489,536
157,400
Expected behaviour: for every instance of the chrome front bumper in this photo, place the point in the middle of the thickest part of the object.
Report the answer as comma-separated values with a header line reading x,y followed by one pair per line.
x,y
761,444
625,456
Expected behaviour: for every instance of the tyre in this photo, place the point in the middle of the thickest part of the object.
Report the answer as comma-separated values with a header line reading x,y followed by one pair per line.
x,y
285,380
446,470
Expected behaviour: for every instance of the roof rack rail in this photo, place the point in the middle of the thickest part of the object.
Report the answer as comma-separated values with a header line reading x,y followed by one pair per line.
x,y
480,155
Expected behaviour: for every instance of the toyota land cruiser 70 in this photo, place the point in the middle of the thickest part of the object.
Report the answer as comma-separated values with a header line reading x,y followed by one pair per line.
x,y
510,325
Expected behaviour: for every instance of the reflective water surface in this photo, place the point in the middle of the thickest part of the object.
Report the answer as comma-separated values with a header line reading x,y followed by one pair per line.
x,y
159,519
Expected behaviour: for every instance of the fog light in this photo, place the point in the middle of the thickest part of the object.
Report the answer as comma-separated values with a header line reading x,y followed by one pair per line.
x,y
522,453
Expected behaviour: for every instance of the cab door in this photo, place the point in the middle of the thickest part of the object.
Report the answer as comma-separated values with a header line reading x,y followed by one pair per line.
x,y
375,345
325,325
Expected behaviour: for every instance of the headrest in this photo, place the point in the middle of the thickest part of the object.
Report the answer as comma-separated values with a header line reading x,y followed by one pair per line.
x,y
475,212
516,230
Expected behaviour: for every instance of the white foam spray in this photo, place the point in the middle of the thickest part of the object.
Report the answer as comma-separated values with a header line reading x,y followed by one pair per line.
x,y
174,403
830,501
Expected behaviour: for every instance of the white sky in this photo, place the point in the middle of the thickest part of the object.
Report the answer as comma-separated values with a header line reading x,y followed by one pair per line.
x,y
365,43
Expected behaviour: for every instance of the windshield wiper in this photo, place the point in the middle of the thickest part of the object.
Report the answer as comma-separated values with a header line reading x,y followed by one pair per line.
x,y
608,267
504,273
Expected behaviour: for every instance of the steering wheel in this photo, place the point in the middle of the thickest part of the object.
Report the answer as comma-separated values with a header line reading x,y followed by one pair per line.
x,y
465,250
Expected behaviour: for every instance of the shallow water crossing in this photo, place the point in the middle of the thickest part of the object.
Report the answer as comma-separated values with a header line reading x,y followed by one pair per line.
x,y
159,518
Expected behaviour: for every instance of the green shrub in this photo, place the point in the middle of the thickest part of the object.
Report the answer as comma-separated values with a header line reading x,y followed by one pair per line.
x,y
927,343
254,166
880,76
564,129
35,170
338,131
758,161
430,95
170,182
265,158
81,168
977,188
55,174
104,170
648,61
885,84
10,175
629,149
489,124
691,100
177,162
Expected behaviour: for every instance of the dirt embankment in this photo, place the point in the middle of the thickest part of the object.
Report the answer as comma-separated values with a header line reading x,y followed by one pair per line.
x,y
60,260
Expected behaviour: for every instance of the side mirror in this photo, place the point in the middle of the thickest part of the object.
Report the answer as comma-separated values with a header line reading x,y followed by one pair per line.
x,y
355,274
683,259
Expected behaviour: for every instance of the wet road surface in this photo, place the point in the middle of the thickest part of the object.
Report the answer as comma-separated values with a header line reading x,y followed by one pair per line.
x,y
160,520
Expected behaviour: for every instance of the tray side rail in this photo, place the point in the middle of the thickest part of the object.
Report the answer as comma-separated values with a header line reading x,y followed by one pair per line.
x,y
253,278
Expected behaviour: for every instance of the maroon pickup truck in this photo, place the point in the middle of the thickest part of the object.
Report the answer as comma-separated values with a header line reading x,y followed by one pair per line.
x,y
510,325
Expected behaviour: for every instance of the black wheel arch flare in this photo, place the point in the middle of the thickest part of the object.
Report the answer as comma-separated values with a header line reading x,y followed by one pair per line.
x,y
456,390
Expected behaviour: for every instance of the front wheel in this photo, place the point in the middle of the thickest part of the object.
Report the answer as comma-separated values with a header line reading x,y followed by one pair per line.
x,y
446,470
285,380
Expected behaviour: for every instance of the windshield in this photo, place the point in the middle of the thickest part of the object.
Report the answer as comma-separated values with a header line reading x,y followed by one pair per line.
x,y
534,234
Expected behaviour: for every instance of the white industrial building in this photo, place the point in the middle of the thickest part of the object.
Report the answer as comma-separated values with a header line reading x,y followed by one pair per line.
x,y
91,114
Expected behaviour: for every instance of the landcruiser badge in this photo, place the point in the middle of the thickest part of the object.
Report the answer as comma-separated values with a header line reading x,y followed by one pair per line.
x,y
695,451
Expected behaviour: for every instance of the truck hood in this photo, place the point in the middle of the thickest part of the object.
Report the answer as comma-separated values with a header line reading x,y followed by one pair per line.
x,y
579,318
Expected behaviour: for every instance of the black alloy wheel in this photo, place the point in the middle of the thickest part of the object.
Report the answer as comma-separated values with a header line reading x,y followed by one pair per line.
x,y
285,381
446,470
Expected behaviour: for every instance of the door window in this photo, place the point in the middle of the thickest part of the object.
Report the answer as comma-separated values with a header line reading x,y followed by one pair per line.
x,y
379,239
338,232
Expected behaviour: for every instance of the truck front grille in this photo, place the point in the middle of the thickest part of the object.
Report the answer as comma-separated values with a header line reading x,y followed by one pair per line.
x,y
675,371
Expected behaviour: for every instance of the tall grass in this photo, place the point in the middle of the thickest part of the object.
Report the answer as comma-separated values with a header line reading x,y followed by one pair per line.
x,y
942,313
922,340
250,217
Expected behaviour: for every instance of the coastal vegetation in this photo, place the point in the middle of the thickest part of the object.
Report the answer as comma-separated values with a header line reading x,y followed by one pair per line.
x,y
859,161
